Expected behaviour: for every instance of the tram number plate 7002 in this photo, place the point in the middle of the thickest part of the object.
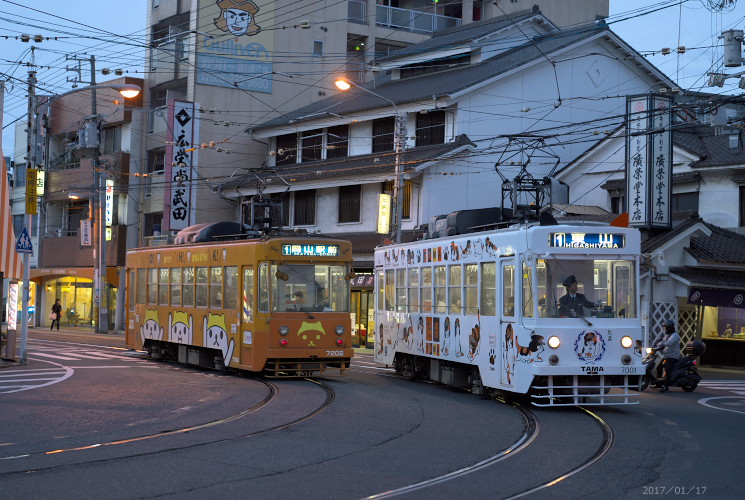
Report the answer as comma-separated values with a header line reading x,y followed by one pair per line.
x,y
334,353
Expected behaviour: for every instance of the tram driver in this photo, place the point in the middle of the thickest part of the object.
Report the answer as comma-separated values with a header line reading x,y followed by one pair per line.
x,y
573,303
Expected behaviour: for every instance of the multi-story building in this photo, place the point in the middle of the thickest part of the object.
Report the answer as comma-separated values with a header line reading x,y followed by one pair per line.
x,y
66,246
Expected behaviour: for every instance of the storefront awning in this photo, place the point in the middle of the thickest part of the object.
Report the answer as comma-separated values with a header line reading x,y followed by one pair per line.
x,y
38,274
712,287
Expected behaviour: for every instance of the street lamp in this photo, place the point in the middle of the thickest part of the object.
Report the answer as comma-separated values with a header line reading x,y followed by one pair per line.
x,y
399,135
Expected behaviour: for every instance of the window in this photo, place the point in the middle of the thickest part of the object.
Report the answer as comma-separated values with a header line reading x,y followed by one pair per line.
x,y
527,310
430,128
305,207
201,288
215,287
454,288
311,144
163,280
337,142
141,288
401,294
383,135
264,287
112,140
188,290
388,188
414,290
440,290
426,289
248,295
617,204
230,298
349,203
390,281
152,286
317,48
508,290
685,202
380,287
472,289
488,289
176,286
286,149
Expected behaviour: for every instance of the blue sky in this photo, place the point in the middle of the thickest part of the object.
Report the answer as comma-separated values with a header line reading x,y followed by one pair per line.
x,y
691,23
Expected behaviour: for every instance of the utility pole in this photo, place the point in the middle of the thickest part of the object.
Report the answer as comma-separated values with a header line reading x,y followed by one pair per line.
x,y
30,164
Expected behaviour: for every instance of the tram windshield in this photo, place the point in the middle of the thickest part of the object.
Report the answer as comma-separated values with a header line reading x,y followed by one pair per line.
x,y
604,288
309,288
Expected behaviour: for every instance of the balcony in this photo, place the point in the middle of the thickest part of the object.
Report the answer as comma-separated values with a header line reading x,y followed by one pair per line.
x,y
415,21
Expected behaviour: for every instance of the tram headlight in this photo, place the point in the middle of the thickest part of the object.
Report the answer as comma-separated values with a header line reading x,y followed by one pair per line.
x,y
627,342
648,350
284,330
554,342
340,329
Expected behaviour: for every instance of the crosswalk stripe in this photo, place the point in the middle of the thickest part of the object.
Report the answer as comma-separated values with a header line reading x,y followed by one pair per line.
x,y
53,356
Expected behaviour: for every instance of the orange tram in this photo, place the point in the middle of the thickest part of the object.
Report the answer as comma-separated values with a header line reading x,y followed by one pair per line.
x,y
275,305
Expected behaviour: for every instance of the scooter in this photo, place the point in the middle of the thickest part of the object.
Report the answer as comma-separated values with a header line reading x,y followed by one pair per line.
x,y
685,374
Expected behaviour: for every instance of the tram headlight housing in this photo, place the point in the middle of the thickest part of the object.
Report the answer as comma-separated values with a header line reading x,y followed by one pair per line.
x,y
554,342
340,329
627,341
284,330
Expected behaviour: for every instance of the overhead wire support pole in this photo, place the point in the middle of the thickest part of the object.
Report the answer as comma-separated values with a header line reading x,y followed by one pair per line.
x,y
30,163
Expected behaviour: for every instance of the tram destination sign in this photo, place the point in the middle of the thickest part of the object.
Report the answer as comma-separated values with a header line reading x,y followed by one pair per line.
x,y
586,240
308,250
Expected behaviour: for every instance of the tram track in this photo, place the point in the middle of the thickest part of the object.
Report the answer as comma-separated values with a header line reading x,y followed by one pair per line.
x,y
532,430
272,394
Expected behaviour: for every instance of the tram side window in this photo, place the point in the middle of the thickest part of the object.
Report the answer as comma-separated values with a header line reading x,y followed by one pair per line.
x,y
427,289
141,287
215,287
488,289
472,289
414,290
508,290
440,290
202,284
188,289
152,286
264,287
390,278
401,305
230,298
456,281
248,294
176,286
163,280
380,287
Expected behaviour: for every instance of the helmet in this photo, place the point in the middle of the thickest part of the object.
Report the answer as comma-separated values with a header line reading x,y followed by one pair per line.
x,y
669,324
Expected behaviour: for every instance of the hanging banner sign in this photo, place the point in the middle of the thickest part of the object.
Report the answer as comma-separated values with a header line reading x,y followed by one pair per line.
x,y
109,202
180,168
384,213
649,160
86,233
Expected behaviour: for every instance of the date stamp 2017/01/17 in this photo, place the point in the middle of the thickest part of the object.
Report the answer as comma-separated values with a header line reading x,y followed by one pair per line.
x,y
673,490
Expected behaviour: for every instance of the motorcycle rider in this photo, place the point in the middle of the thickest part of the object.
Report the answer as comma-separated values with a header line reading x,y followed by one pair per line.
x,y
668,345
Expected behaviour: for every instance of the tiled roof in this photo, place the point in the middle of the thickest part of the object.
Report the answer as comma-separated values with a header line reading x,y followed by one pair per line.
x,y
369,164
722,246
714,150
440,84
717,278
677,178
651,244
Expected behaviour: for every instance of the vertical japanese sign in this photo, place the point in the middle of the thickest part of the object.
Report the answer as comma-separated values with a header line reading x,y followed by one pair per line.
x,y
661,150
86,233
109,202
648,160
31,196
181,157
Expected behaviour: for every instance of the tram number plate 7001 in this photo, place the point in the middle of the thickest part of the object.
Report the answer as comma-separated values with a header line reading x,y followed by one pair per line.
x,y
334,353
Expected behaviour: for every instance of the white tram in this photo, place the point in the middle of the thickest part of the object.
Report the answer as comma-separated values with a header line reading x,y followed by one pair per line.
x,y
482,311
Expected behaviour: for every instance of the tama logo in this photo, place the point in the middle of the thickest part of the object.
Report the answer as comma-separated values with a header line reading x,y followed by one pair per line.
x,y
592,369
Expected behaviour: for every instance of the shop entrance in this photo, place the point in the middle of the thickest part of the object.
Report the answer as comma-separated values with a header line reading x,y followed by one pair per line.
x,y
76,299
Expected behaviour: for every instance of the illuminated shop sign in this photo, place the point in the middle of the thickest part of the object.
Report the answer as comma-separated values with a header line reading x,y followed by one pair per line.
x,y
585,240
311,250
